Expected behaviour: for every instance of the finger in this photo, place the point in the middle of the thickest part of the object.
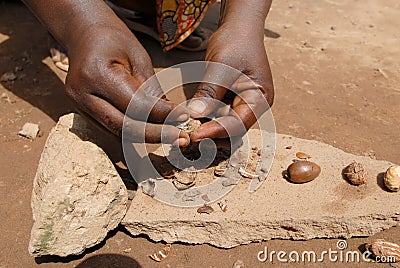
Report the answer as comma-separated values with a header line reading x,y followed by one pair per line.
x,y
154,109
134,130
223,127
144,100
247,108
244,83
217,79
232,142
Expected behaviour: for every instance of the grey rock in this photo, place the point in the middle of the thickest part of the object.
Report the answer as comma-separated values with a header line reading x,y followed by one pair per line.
x,y
78,196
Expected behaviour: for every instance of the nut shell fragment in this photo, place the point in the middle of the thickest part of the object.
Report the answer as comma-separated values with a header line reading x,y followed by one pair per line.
x,y
392,178
185,179
380,248
356,173
303,171
223,206
186,176
148,187
230,181
220,170
161,254
181,186
189,126
205,198
302,155
247,174
205,209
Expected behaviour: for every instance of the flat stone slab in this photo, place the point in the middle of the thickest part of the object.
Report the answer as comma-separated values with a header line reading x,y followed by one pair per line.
x,y
77,195
327,207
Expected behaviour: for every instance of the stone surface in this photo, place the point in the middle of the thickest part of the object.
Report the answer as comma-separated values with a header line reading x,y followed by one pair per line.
x,y
327,207
77,195
29,130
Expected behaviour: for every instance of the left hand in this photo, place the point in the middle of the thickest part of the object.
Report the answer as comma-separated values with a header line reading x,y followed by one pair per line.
x,y
242,48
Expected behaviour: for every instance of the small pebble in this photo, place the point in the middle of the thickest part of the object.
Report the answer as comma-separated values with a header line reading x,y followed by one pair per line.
x,y
127,250
5,97
205,198
238,264
29,130
229,182
131,194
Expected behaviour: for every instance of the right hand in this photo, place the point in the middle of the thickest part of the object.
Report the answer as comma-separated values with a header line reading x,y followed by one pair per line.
x,y
107,66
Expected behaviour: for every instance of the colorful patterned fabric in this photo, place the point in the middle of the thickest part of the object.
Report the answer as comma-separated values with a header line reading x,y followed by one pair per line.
x,y
177,19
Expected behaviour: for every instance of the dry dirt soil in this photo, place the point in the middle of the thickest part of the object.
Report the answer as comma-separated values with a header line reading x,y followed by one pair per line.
x,y
336,67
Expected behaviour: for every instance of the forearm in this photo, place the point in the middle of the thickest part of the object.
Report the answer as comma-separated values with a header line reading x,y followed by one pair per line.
x,y
245,14
67,20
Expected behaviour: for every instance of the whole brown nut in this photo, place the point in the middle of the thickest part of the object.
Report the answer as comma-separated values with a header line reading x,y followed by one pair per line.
x,y
303,171
355,173
392,178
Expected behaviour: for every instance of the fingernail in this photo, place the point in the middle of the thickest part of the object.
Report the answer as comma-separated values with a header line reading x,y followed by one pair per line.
x,y
183,117
180,142
197,106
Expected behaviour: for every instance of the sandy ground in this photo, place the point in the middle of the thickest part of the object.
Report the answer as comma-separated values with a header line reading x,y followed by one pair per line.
x,y
337,74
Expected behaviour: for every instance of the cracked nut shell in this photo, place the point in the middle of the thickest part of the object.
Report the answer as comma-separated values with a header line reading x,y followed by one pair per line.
x,y
356,173
303,171
381,247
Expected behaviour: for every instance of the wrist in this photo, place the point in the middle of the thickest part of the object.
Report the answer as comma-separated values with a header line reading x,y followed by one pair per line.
x,y
244,16
89,32
252,10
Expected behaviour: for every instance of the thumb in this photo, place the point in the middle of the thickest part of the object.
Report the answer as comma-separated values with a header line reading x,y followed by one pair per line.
x,y
216,81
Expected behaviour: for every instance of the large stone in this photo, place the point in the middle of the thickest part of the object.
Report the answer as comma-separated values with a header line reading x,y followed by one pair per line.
x,y
78,195
327,207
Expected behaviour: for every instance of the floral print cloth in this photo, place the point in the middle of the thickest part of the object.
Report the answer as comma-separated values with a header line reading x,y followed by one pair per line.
x,y
177,19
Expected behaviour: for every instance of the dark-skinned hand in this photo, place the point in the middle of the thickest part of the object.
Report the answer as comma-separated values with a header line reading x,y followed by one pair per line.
x,y
107,66
242,48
